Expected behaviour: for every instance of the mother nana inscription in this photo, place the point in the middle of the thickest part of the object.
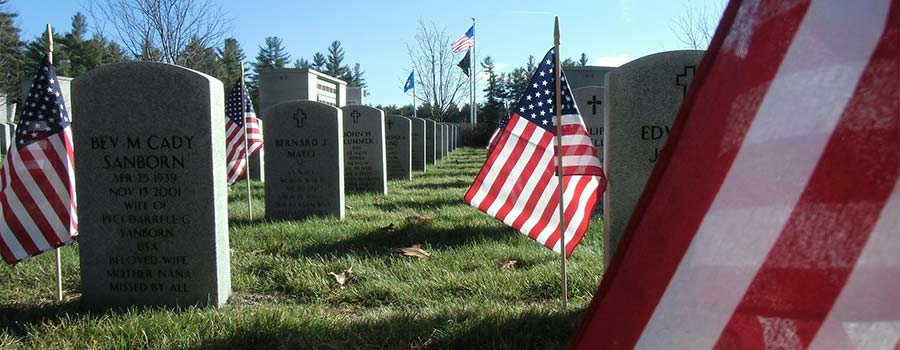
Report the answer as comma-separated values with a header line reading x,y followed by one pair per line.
x,y
304,160
150,145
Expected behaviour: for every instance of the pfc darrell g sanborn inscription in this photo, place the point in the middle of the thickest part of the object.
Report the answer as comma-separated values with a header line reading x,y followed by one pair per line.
x,y
150,149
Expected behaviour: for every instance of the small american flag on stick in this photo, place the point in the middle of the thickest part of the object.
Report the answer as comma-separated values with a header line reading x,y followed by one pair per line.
x,y
235,111
37,183
518,183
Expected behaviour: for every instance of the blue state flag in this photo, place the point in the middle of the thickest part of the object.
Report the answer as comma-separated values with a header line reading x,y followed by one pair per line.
x,y
410,82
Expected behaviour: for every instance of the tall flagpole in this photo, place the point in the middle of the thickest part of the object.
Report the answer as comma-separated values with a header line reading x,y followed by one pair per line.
x,y
59,291
474,109
246,146
413,74
557,71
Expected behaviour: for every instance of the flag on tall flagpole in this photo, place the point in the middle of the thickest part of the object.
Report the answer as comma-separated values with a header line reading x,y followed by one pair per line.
x,y
465,41
236,106
518,183
410,82
772,218
465,64
37,184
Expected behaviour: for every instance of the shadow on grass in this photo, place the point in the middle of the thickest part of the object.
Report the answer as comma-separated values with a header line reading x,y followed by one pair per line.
x,y
15,318
444,184
453,330
418,205
377,242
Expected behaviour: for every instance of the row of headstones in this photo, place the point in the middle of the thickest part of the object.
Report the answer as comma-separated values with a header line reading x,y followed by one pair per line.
x,y
315,153
629,112
408,147
150,144
153,217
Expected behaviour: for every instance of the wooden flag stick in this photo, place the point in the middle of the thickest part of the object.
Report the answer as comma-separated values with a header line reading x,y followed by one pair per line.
x,y
559,163
48,48
246,148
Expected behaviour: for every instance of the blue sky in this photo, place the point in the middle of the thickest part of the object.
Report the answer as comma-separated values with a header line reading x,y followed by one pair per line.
x,y
374,33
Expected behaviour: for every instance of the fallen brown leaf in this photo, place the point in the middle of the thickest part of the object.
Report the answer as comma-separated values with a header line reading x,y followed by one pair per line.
x,y
344,277
388,228
509,265
348,206
418,218
255,252
415,251
416,345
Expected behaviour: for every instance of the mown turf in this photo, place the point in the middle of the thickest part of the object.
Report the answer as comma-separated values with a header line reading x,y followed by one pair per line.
x,y
284,298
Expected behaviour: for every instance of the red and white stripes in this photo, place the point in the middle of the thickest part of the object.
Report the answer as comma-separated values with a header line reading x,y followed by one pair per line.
x,y
235,145
770,219
37,198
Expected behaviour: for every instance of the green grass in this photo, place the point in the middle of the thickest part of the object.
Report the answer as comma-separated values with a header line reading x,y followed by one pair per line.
x,y
284,298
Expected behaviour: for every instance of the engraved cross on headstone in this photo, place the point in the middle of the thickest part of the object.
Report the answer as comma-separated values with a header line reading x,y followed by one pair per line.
x,y
390,124
299,117
684,79
355,116
594,103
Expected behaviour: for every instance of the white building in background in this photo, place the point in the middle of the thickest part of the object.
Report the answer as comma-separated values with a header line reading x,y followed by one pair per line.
x,y
286,84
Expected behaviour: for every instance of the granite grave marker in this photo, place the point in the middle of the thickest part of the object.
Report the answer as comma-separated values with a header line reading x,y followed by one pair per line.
x,y
153,215
398,142
364,150
304,160
431,133
642,99
418,144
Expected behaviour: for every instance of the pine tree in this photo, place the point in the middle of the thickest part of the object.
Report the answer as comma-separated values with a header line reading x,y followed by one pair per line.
x,y
84,55
319,62
198,57
493,108
230,57
583,61
301,63
11,48
356,77
35,51
517,81
335,66
273,55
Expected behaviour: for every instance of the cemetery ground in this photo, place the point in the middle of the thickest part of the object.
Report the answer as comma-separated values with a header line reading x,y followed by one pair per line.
x,y
464,295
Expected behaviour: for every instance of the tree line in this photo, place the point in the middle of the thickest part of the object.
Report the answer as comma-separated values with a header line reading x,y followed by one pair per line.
x,y
143,31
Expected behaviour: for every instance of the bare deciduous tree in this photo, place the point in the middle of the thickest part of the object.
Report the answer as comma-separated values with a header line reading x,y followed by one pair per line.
x,y
440,84
697,24
169,25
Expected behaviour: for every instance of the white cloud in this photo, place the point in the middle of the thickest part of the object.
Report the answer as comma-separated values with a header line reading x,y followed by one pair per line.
x,y
626,11
614,60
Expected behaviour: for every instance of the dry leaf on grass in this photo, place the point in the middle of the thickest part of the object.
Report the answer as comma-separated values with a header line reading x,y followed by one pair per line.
x,y
255,252
414,251
418,218
388,228
344,277
348,206
509,265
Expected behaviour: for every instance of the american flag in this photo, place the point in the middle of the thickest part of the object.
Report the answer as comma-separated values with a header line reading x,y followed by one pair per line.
x,y
465,41
772,218
37,183
235,111
518,183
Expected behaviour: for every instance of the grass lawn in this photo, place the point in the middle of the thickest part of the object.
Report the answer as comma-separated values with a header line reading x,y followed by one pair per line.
x,y
284,297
